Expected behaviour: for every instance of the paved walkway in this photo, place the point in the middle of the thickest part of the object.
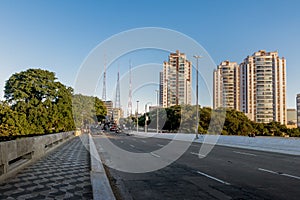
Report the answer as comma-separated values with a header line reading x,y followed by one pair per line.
x,y
62,174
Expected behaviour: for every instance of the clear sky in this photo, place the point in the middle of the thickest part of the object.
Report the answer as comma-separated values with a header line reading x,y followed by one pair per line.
x,y
58,35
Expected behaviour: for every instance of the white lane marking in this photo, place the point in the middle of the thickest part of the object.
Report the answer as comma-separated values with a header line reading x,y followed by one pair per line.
x,y
132,146
197,154
244,153
143,141
292,176
266,170
160,145
122,141
278,173
155,155
214,178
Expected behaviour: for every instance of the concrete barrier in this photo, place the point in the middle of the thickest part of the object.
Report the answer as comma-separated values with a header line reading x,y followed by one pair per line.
x,y
100,183
16,154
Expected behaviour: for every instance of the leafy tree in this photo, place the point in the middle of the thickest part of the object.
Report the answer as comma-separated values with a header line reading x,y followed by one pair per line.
x,y
100,109
11,122
87,110
236,123
46,103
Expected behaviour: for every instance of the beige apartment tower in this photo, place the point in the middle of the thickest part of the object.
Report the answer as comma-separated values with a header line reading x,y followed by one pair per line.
x,y
227,86
263,87
176,80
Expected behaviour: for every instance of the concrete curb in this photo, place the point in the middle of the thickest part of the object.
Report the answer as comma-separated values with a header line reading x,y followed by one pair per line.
x,y
100,183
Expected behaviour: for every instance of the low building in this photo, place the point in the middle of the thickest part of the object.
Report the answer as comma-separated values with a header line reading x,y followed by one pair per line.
x,y
291,116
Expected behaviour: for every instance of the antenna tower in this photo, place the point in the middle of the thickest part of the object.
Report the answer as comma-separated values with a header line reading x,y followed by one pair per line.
x,y
104,81
129,112
117,101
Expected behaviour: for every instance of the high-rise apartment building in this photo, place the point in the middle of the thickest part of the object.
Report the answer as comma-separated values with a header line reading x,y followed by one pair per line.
x,y
177,79
227,86
298,110
263,87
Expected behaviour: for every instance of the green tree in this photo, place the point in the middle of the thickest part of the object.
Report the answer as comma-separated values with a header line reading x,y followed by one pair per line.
x,y
44,101
87,110
100,109
11,122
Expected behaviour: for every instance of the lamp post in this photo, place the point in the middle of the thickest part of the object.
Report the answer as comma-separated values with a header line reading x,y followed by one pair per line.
x,y
157,118
197,115
137,116
146,116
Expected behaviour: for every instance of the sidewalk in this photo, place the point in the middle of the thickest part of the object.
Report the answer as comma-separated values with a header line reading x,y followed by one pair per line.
x,y
62,174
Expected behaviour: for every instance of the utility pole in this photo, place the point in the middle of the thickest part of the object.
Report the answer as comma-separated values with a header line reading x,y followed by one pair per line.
x,y
197,115
157,117
137,116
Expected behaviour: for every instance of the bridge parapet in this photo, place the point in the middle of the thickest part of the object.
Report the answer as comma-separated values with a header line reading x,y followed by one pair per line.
x,y
16,154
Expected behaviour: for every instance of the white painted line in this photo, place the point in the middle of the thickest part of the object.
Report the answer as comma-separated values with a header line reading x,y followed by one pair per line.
x,y
143,141
197,154
266,170
282,174
155,155
132,146
244,153
122,141
160,145
214,178
292,176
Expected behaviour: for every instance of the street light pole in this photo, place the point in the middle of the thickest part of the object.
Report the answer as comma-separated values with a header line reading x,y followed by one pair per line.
x,y
197,114
157,118
137,116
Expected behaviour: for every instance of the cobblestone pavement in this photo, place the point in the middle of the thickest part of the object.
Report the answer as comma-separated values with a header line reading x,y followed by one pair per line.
x,y
62,174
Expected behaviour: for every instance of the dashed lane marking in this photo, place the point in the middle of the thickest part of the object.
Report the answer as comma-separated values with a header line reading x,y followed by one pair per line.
x,y
214,178
279,173
244,153
197,154
155,155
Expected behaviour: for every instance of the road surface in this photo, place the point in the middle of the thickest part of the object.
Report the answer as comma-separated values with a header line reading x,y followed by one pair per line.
x,y
226,173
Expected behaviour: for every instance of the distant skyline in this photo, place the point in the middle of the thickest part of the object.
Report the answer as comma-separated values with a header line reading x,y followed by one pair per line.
x,y
59,35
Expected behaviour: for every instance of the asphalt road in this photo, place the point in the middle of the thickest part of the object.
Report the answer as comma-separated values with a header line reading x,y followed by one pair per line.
x,y
226,173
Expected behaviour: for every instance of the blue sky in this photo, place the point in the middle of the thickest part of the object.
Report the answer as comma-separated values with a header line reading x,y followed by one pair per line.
x,y
59,35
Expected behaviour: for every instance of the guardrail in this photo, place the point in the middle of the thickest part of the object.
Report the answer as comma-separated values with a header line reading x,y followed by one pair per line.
x,y
16,154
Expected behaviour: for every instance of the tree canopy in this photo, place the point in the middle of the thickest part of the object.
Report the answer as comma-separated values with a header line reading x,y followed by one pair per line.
x,y
87,110
182,119
36,103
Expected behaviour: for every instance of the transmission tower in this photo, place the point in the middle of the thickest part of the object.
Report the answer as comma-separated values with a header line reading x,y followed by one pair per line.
x,y
129,112
104,81
117,101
